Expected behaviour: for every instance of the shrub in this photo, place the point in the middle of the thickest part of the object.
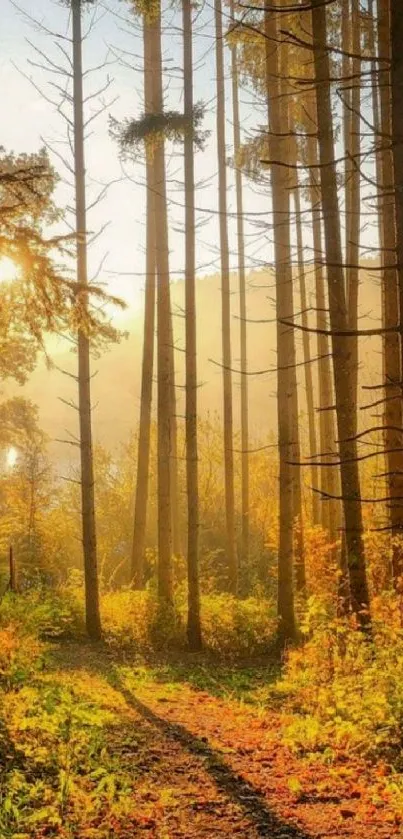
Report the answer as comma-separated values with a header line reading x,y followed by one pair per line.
x,y
230,627
348,686
135,618
234,627
19,656
43,613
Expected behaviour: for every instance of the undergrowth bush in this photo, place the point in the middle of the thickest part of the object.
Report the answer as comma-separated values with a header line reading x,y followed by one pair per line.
x,y
58,770
233,627
230,627
44,613
63,778
346,687
26,622
135,618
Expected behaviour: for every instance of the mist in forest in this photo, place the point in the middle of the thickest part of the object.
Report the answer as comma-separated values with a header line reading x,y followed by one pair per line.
x,y
201,419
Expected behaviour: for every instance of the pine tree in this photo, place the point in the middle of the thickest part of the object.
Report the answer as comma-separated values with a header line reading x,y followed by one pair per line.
x,y
342,364
242,306
193,625
93,621
143,457
280,189
226,308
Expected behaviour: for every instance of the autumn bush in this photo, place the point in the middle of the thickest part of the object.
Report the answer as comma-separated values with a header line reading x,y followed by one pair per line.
x,y
59,772
345,687
231,627
136,619
43,612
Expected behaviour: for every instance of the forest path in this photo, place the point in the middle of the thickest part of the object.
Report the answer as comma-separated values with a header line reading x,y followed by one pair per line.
x,y
200,765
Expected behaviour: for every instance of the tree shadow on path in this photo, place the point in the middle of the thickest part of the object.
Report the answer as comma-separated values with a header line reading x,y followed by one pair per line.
x,y
228,782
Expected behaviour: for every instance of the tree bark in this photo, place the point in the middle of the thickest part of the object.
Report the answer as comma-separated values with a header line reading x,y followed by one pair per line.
x,y
242,309
352,149
175,508
306,347
284,308
226,308
396,81
164,338
393,418
342,354
143,456
327,430
193,623
93,620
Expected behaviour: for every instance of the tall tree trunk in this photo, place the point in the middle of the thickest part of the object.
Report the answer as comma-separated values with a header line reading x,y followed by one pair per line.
x,y
284,307
342,358
164,338
226,308
327,431
393,419
353,190
376,70
373,46
290,157
93,620
306,347
143,456
396,134
175,510
192,488
242,308
346,34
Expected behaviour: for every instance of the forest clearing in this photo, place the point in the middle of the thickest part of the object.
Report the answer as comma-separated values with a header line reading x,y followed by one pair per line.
x,y
101,742
201,419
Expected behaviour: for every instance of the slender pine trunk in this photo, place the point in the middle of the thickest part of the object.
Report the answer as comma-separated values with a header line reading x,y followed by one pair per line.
x,y
396,81
242,309
352,149
280,187
290,156
393,418
93,620
143,455
329,483
193,623
174,473
164,338
306,347
342,359
226,308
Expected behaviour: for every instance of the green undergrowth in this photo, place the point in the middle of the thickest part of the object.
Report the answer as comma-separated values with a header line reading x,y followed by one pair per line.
x,y
244,682
231,628
339,695
69,748
344,689
60,775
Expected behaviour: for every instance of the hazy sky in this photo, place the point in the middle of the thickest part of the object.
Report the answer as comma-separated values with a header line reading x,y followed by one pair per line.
x,y
28,117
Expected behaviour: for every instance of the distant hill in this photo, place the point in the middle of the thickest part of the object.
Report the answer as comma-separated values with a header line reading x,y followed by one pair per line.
x,y
116,385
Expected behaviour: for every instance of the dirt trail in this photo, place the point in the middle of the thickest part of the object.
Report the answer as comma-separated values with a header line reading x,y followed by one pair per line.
x,y
208,767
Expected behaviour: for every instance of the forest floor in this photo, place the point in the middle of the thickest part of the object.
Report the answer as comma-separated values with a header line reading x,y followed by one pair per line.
x,y
192,753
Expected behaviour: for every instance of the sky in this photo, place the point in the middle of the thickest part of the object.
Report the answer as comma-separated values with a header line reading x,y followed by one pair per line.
x,y
30,119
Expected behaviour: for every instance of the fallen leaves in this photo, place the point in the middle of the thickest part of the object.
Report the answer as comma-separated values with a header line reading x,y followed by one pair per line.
x,y
174,762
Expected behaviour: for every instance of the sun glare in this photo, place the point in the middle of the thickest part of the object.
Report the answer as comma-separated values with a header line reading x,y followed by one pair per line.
x,y
8,270
12,457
